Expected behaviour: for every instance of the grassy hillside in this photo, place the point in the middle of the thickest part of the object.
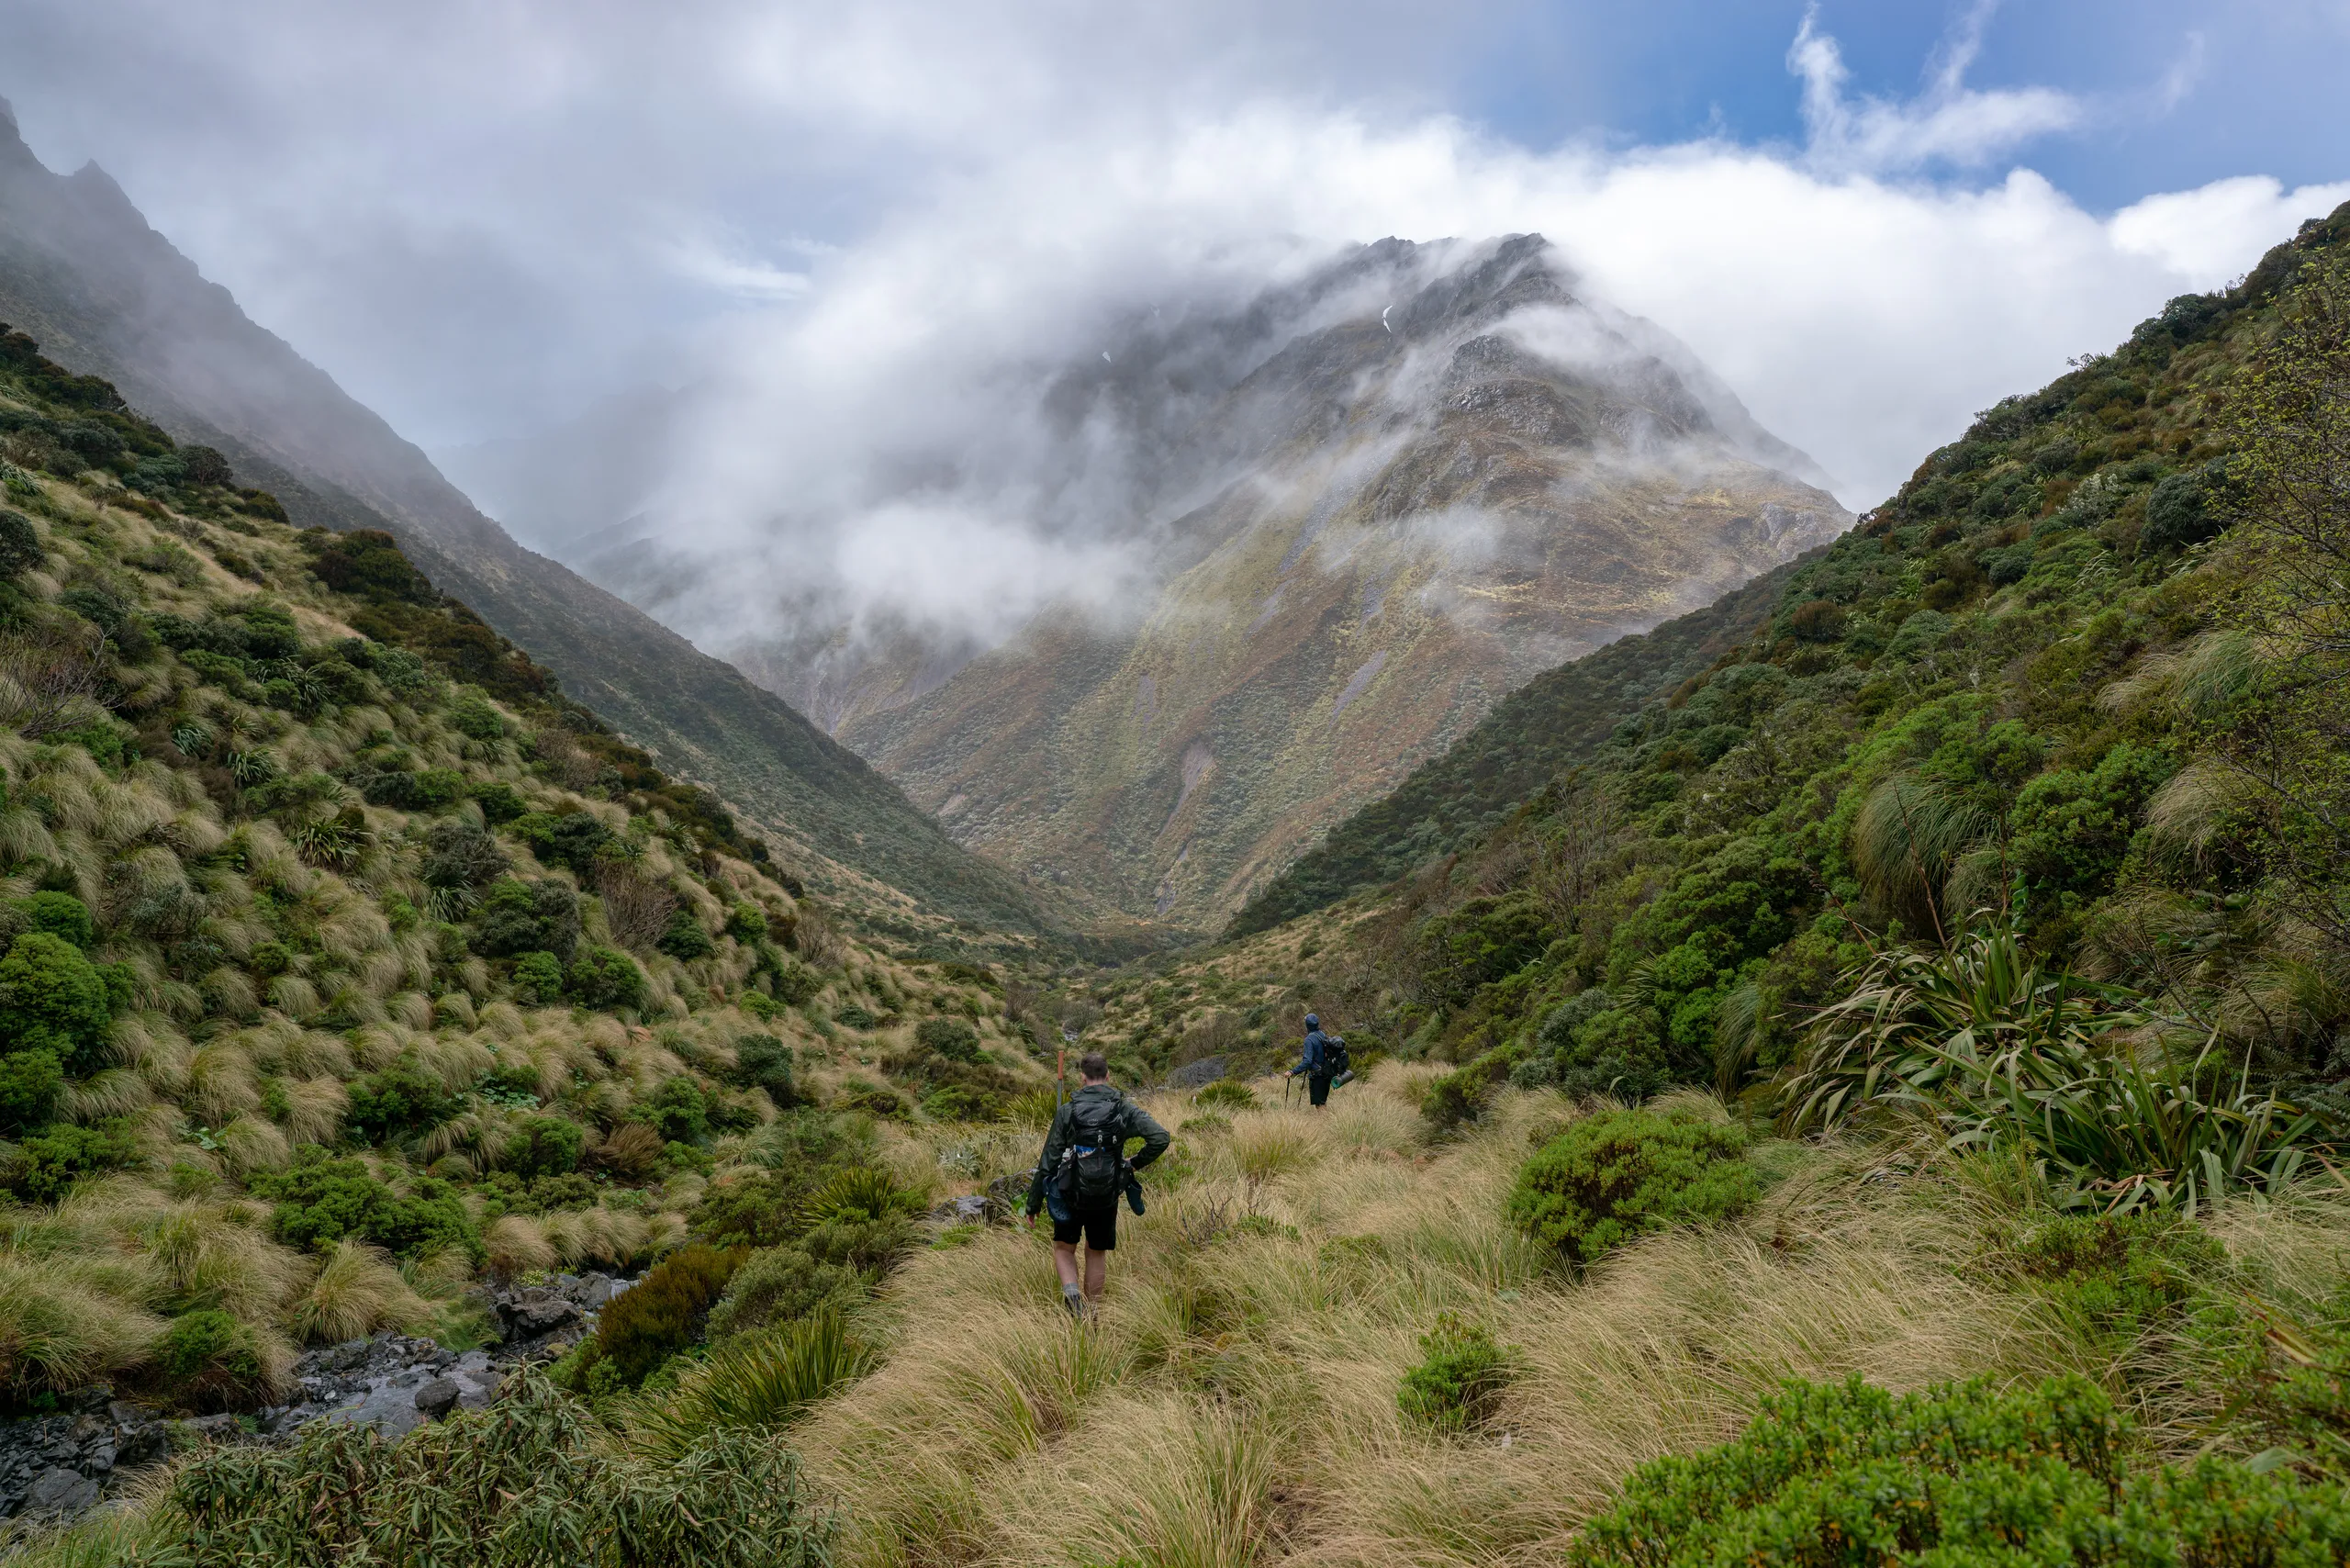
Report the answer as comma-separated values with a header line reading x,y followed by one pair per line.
x,y
1552,723
343,960
80,270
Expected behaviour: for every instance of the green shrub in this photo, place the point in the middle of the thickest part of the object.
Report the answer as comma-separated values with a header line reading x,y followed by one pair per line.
x,y
1852,1475
538,979
46,1166
499,802
52,999
1227,1092
2178,511
794,981
778,1284
210,1361
762,1061
869,1245
320,1201
457,853
678,1112
570,840
746,923
436,789
685,940
20,549
753,1208
1483,940
399,1099
530,1481
1617,1174
872,1099
663,1313
948,1038
1459,1379
1458,1096
606,977
960,1103
472,716
30,1082
518,917
2119,1276
542,1146
60,914
1594,1045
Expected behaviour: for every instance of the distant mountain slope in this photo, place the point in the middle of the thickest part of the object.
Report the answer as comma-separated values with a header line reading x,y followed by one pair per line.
x,y
1559,719
1455,474
80,270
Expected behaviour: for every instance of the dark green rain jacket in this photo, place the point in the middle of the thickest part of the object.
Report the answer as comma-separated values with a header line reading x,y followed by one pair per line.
x,y
1133,1122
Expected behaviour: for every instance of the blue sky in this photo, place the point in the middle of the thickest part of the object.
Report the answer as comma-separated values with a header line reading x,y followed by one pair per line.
x,y
2180,93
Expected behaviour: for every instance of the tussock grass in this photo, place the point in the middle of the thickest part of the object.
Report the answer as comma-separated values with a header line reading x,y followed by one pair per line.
x,y
1236,1400
355,1292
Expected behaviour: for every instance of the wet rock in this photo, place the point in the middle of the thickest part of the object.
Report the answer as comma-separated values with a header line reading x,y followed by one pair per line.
x,y
536,1311
55,1466
1196,1074
58,1490
437,1398
971,1208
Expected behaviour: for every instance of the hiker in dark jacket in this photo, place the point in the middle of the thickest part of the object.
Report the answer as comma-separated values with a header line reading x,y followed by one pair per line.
x,y
1315,1062
1082,1171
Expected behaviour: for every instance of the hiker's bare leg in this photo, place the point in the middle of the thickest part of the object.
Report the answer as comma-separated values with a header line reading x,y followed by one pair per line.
x,y
1065,1259
1097,1273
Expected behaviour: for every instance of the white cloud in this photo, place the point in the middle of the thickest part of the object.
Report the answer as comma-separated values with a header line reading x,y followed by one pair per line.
x,y
2198,234
1948,123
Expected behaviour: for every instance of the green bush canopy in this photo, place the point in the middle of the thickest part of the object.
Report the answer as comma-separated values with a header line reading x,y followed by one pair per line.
x,y
1617,1174
1851,1474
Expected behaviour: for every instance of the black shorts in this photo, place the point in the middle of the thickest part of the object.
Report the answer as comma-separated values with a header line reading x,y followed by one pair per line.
x,y
1098,1226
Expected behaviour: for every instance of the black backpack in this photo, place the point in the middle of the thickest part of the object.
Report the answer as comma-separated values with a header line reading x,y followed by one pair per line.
x,y
1335,1061
1093,1163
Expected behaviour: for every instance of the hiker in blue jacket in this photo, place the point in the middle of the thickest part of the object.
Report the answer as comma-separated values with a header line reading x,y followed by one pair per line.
x,y
1316,1063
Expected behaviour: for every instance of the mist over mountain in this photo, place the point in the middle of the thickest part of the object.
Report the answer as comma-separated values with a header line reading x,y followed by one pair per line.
x,y
1140,620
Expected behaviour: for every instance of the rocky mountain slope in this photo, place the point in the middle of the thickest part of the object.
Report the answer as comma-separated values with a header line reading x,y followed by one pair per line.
x,y
82,272
1457,475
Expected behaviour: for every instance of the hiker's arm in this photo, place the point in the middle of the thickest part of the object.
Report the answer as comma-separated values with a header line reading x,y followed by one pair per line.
x,y
1044,1163
1155,1138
